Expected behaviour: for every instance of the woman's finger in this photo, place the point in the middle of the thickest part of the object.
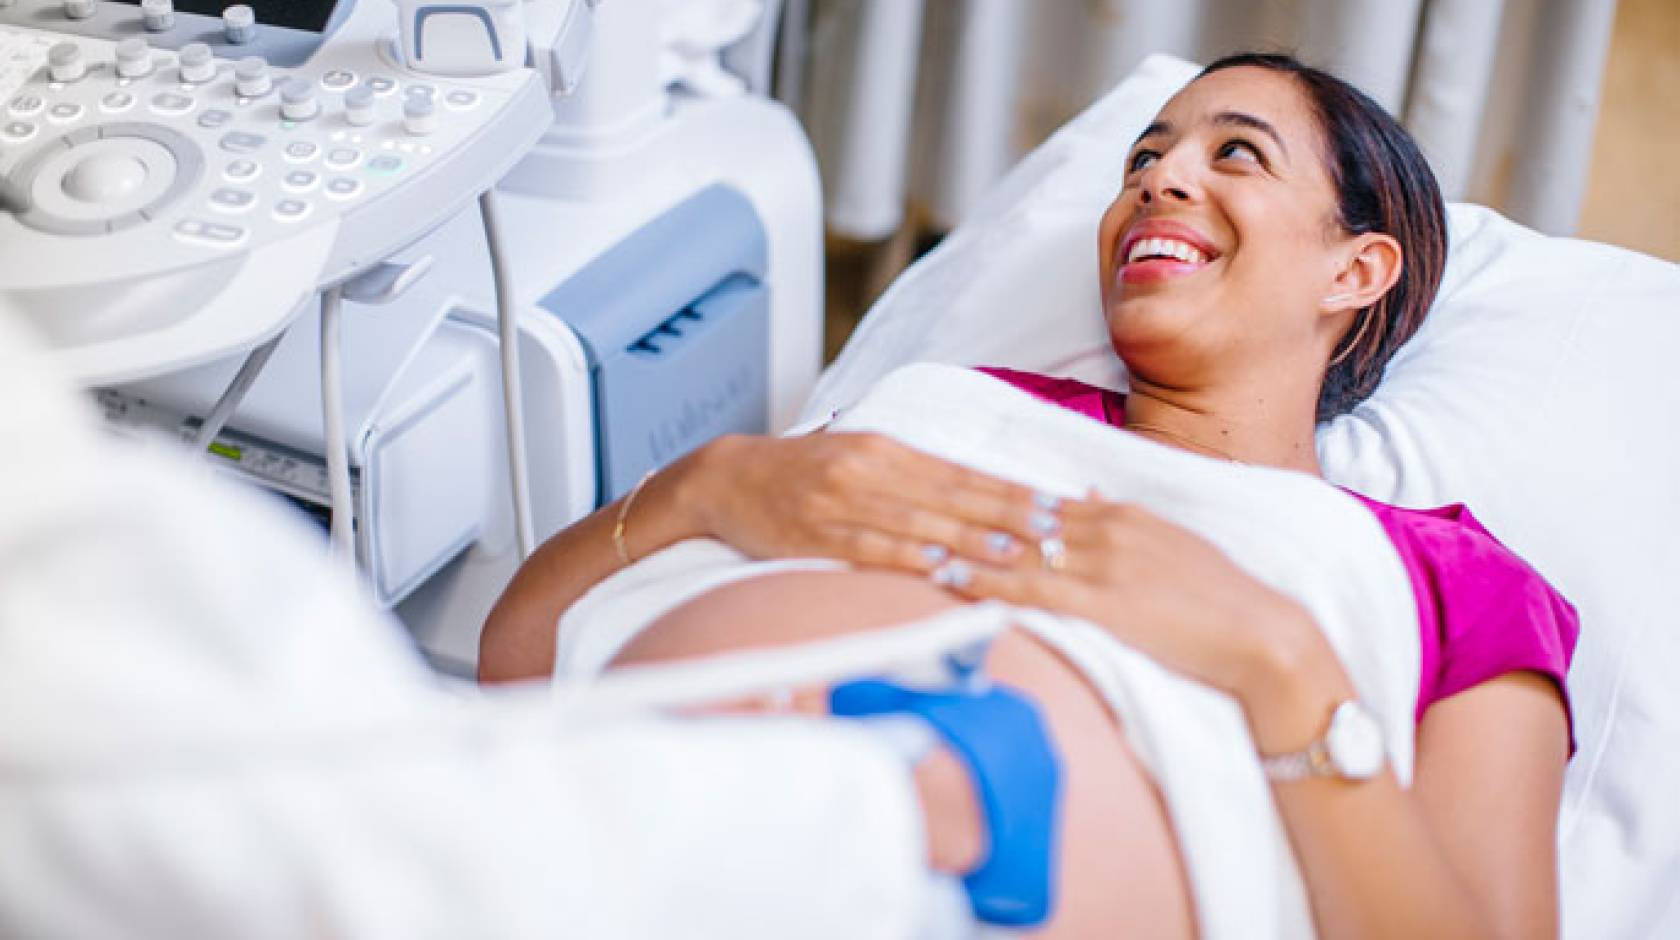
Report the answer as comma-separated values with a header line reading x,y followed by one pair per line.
x,y
960,492
960,537
873,481
1104,531
876,549
1023,586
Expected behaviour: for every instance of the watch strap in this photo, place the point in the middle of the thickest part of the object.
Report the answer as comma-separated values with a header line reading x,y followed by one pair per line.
x,y
1314,761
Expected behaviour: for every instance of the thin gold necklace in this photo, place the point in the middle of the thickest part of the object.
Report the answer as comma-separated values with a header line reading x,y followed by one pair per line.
x,y
1135,426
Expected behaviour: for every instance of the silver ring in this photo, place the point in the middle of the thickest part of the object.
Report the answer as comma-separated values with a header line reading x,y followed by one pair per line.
x,y
1054,552
954,574
1046,524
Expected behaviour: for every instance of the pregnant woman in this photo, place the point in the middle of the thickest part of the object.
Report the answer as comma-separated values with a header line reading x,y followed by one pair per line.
x,y
1277,238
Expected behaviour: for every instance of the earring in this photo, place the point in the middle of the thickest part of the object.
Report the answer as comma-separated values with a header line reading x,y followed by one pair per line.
x,y
1358,335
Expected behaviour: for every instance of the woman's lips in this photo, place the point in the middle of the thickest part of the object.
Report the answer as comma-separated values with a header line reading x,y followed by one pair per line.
x,y
1155,270
1161,250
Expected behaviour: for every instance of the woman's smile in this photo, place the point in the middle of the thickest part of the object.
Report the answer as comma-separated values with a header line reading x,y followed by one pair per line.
x,y
1155,250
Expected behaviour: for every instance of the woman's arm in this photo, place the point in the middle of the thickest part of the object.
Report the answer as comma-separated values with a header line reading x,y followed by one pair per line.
x,y
861,498
1466,852
518,638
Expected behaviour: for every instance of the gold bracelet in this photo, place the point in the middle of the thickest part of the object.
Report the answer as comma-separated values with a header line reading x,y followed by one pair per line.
x,y
624,514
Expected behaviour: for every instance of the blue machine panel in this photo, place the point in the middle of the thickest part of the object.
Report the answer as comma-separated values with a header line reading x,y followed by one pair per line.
x,y
675,320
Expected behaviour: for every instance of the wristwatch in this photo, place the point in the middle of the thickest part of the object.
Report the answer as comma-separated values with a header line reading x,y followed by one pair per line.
x,y
1351,748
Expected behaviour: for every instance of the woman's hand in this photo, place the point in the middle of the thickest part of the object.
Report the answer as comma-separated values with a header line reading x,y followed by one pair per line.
x,y
1160,589
863,498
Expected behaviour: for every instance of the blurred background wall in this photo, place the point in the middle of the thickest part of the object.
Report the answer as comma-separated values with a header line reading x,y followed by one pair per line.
x,y
1563,114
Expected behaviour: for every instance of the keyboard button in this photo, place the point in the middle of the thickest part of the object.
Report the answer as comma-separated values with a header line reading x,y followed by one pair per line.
x,y
242,171
302,151
233,200
381,85
385,164
17,131
301,181
214,118
241,142
461,99
338,80
171,103
116,102
343,158
291,210
215,234
27,105
344,187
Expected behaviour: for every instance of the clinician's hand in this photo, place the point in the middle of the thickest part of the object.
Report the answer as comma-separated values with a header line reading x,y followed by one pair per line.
x,y
1174,596
863,498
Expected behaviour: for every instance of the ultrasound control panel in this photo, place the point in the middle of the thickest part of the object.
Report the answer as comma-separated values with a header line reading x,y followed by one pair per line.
x,y
284,32
139,142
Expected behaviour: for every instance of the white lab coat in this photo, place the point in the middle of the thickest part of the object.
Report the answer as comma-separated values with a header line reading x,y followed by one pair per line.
x,y
205,733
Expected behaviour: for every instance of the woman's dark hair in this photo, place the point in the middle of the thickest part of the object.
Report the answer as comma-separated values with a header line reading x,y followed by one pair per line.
x,y
1383,184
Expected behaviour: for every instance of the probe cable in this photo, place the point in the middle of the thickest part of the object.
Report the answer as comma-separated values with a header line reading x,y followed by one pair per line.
x,y
513,411
342,539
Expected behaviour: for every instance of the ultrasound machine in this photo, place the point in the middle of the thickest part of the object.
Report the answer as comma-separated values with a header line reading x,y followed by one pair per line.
x,y
446,276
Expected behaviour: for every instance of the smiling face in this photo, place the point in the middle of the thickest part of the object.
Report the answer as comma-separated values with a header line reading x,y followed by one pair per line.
x,y
1219,251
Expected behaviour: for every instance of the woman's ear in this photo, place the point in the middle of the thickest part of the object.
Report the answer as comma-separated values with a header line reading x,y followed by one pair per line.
x,y
1370,269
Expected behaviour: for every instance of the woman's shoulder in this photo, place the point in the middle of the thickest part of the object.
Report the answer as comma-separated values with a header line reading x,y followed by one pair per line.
x,y
1484,610
1458,549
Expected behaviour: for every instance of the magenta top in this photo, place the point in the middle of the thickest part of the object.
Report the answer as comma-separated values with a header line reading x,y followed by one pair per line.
x,y
1483,612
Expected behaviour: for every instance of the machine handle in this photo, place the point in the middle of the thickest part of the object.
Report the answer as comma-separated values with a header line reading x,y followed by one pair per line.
x,y
387,280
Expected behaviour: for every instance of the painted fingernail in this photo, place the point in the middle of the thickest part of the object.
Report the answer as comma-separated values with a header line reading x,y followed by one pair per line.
x,y
934,554
1045,523
1002,544
955,574
1049,502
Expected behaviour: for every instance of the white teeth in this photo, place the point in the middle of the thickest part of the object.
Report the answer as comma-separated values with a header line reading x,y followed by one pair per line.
x,y
1164,248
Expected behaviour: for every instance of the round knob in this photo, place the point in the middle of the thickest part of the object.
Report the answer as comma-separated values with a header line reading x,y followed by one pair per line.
x,y
298,101
197,64
250,77
134,58
65,62
80,9
419,115
358,106
158,16
239,22
105,178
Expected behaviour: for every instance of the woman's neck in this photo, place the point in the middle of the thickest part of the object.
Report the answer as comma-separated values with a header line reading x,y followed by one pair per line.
x,y
1272,431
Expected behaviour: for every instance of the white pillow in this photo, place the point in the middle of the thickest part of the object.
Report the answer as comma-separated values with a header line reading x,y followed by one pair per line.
x,y
1541,392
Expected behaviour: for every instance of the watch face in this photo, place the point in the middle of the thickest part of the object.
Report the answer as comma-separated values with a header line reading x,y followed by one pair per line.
x,y
1355,742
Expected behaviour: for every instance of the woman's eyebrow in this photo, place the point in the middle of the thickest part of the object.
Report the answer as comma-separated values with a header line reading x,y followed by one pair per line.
x,y
1157,127
1239,119
1228,118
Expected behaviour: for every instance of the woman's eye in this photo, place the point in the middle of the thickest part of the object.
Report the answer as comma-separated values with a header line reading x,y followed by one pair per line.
x,y
1142,159
1241,149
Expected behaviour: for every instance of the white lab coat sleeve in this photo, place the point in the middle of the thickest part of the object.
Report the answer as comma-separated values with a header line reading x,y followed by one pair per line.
x,y
204,732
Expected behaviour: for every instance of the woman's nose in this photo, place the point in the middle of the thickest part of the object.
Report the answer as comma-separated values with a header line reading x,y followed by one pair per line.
x,y
1165,192
1164,179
